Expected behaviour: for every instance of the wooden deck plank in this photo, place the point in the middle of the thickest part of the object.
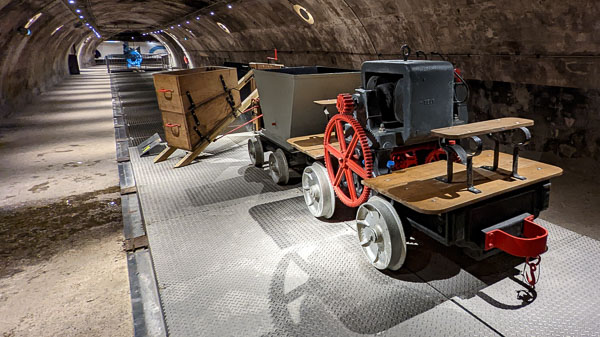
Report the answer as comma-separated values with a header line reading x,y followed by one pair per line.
x,y
326,101
480,128
417,188
311,145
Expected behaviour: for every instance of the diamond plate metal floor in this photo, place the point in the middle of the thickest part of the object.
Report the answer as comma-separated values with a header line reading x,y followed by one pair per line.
x,y
236,255
138,105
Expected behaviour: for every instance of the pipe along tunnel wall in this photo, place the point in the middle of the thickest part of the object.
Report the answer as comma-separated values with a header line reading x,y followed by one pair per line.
x,y
536,59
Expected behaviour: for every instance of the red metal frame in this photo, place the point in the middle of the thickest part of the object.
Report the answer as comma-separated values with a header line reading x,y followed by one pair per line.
x,y
532,244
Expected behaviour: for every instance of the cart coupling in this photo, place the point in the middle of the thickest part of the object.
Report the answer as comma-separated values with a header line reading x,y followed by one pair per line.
x,y
530,245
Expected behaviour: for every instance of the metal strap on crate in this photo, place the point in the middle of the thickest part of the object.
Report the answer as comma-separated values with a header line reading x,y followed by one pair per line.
x,y
192,110
229,97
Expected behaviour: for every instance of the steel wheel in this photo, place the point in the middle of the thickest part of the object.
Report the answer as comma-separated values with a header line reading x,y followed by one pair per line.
x,y
255,150
380,234
278,165
318,191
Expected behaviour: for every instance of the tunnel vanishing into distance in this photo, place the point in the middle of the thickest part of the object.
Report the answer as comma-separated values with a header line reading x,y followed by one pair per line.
x,y
536,59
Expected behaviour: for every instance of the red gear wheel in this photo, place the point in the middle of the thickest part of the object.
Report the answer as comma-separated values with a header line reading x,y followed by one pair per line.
x,y
345,104
347,162
435,155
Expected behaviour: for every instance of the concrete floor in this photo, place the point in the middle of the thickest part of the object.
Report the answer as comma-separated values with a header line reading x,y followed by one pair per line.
x,y
63,271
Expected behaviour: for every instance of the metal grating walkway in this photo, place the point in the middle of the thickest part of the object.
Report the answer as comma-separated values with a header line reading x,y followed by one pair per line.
x,y
236,255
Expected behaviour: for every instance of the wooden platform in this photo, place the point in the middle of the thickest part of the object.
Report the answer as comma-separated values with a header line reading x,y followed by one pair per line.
x,y
311,145
417,188
480,128
332,101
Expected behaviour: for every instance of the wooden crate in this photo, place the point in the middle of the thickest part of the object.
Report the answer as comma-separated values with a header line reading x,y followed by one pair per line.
x,y
203,83
206,89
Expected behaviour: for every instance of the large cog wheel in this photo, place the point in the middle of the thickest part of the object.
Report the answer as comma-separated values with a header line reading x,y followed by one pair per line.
x,y
345,165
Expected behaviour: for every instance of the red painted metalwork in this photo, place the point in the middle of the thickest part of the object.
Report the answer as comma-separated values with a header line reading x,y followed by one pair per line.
x,y
405,157
348,163
457,73
273,58
435,155
345,104
533,266
533,242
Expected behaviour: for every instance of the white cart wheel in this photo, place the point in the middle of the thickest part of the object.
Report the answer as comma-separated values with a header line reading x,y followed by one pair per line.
x,y
278,165
255,151
380,234
318,191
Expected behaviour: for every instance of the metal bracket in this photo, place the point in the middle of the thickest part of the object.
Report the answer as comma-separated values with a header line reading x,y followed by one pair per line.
x,y
192,110
450,147
515,165
516,148
532,242
229,97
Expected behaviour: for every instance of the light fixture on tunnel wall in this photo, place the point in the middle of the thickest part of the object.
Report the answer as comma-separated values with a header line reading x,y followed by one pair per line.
x,y
197,18
224,28
78,10
56,30
304,14
229,6
212,13
191,33
32,20
81,16
71,1
187,22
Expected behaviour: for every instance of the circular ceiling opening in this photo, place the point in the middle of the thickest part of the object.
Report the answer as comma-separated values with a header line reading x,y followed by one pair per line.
x,y
224,28
304,14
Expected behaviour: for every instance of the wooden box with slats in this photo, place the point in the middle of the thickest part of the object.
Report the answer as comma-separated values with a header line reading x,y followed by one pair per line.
x,y
206,90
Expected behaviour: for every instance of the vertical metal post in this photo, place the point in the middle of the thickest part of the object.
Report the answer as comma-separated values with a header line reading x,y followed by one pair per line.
x,y
470,176
449,166
496,154
515,164
494,166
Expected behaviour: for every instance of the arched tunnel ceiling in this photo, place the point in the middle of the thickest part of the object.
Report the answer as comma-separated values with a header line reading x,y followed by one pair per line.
x,y
117,16
538,42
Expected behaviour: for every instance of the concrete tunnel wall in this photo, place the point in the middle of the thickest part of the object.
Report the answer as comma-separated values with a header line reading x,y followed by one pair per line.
x,y
537,59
